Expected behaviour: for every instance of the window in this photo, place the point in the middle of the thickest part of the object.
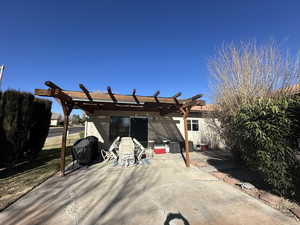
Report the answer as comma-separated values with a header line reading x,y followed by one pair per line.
x,y
193,125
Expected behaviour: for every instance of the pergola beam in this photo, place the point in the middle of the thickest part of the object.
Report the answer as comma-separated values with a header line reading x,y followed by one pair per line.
x,y
133,92
193,101
86,92
195,97
111,94
57,92
176,96
105,97
155,96
52,85
134,96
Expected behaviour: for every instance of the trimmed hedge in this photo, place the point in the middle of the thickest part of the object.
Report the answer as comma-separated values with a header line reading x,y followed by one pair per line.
x,y
24,124
265,138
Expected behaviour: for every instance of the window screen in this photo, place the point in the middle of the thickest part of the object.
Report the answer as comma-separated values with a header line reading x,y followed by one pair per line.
x,y
193,125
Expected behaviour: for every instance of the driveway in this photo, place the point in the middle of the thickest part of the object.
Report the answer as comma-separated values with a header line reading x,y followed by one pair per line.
x,y
164,192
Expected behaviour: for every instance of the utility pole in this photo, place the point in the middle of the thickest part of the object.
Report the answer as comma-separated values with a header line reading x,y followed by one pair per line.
x,y
1,75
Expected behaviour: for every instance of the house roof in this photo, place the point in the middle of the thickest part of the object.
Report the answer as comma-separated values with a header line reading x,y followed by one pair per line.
x,y
290,90
204,108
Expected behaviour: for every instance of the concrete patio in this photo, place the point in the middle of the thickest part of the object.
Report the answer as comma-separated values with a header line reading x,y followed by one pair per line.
x,y
163,192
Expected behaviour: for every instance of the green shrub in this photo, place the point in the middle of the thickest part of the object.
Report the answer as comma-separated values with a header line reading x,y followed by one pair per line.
x,y
40,127
265,137
24,123
10,106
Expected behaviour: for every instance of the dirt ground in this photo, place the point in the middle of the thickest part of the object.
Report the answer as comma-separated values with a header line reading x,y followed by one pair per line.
x,y
25,176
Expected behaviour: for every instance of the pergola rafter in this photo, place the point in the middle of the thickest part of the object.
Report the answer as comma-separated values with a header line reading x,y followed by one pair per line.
x,y
93,101
176,96
134,96
86,92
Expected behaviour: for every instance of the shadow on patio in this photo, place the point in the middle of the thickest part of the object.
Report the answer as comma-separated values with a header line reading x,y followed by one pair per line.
x,y
88,195
223,161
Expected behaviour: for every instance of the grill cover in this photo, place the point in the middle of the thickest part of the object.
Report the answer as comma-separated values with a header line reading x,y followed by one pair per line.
x,y
85,150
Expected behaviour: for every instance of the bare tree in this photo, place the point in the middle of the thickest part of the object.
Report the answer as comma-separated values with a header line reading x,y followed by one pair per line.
x,y
242,73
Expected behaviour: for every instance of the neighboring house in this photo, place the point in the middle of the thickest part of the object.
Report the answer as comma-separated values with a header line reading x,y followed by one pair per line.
x,y
55,119
106,126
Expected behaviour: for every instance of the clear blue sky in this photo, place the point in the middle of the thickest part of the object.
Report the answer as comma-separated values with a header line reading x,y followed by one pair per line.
x,y
147,45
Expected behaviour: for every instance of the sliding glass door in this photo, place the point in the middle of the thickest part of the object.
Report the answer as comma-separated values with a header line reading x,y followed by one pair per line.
x,y
129,127
119,126
139,130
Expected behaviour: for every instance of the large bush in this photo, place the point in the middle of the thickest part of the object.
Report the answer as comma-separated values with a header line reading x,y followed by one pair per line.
x,y
265,136
260,133
39,127
24,124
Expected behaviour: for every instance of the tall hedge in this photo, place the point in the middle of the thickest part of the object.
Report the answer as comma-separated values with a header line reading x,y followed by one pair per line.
x,y
24,122
40,126
265,135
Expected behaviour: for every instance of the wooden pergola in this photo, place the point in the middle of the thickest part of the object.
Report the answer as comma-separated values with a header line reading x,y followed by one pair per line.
x,y
95,101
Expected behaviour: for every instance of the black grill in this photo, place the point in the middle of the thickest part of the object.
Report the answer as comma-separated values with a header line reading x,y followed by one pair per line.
x,y
85,150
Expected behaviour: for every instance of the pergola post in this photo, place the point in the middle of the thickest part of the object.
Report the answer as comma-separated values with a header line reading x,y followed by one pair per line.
x,y
185,111
67,108
64,145
67,104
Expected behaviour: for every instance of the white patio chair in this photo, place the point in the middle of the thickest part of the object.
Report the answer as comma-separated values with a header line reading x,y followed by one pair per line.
x,y
112,153
140,150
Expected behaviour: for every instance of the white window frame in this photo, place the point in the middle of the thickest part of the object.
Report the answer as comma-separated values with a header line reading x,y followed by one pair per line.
x,y
190,123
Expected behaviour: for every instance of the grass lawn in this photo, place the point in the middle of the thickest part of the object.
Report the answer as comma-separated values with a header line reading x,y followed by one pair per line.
x,y
26,175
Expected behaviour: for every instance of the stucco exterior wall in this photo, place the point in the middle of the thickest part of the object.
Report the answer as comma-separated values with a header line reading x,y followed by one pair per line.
x,y
159,128
205,135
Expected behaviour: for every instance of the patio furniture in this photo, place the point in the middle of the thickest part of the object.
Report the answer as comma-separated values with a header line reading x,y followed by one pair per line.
x,y
126,152
139,149
149,153
112,153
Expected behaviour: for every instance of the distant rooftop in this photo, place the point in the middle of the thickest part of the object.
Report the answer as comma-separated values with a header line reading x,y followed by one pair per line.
x,y
207,107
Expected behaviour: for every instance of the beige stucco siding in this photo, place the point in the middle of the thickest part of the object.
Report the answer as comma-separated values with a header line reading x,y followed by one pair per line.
x,y
159,127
